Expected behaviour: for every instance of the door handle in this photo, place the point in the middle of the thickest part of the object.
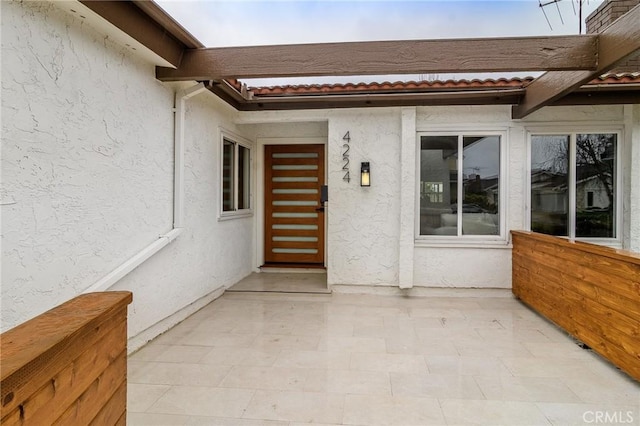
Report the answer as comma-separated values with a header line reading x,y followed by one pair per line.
x,y
320,209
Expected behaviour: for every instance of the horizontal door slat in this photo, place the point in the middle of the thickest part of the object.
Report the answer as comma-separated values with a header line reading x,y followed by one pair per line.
x,y
294,232
300,197
294,220
294,173
294,161
294,185
295,244
294,209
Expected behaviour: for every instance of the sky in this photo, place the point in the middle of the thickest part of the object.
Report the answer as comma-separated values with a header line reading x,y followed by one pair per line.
x,y
222,23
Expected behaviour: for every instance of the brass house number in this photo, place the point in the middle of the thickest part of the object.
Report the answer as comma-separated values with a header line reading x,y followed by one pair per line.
x,y
345,157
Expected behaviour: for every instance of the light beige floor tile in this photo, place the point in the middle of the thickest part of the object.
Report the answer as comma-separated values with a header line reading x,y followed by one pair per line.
x,y
466,366
154,419
352,344
171,373
348,382
436,313
279,378
400,363
140,397
563,414
306,407
435,386
597,389
203,401
391,410
370,360
545,367
204,337
495,413
566,349
481,347
313,359
271,342
182,354
240,356
532,389
149,352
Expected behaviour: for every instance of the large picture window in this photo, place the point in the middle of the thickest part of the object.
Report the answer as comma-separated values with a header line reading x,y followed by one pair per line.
x,y
573,184
460,183
236,174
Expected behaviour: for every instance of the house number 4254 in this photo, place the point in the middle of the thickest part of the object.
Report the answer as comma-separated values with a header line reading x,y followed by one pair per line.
x,y
345,157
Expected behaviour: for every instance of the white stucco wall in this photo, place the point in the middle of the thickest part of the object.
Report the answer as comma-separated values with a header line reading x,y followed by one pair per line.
x,y
364,225
367,245
87,174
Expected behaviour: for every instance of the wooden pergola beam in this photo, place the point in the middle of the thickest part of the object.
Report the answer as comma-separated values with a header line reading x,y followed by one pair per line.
x,y
387,57
618,41
149,25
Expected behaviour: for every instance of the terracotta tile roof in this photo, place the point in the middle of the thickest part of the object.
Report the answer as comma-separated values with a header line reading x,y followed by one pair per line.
x,y
417,86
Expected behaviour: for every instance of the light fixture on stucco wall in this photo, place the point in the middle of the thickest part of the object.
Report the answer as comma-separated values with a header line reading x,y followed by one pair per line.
x,y
365,171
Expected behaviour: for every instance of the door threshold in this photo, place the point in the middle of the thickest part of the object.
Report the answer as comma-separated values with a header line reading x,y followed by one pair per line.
x,y
312,268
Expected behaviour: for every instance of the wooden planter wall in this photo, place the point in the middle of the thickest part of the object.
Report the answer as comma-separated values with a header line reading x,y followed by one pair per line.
x,y
68,366
590,291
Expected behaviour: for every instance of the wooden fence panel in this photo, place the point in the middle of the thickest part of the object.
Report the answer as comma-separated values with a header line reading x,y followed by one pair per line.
x,y
590,291
68,365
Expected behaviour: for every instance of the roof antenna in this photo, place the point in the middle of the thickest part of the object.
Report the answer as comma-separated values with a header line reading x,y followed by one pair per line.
x,y
542,6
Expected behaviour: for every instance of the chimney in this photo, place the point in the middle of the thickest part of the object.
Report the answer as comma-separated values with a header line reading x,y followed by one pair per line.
x,y
604,15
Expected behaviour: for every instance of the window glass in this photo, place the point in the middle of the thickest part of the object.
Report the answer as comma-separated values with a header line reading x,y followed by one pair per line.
x,y
243,177
438,185
227,175
550,184
585,163
445,177
481,186
595,185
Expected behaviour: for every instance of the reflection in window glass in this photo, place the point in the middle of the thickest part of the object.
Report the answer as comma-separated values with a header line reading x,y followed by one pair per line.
x,y
227,175
481,174
595,185
243,177
438,185
550,184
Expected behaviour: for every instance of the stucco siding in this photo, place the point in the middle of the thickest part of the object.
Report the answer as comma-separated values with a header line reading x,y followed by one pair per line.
x,y
87,174
364,227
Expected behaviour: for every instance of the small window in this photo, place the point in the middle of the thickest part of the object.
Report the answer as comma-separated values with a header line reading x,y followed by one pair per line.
x,y
574,185
236,176
460,186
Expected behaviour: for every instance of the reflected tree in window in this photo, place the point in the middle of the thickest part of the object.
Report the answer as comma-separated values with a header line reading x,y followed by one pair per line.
x,y
595,185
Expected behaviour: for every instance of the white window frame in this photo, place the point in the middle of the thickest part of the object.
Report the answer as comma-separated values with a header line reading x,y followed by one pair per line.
x,y
238,141
483,241
572,132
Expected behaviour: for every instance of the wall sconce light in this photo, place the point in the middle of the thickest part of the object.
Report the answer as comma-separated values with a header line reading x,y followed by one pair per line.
x,y
365,172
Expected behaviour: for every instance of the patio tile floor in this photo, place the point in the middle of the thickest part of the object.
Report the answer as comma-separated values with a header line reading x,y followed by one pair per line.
x,y
345,359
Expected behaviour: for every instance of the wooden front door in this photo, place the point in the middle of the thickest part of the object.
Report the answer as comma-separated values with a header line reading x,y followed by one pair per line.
x,y
294,216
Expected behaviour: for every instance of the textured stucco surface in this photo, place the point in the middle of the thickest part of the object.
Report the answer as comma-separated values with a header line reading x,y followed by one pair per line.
x,y
364,226
87,174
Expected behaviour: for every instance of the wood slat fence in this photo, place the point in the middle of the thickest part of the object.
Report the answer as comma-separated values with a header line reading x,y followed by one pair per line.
x,y
590,291
67,366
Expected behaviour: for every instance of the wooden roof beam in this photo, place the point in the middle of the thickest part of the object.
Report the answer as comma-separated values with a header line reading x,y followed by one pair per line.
x,y
618,41
147,23
387,57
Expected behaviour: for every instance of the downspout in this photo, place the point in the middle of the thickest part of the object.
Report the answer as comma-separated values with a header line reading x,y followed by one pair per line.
x,y
178,198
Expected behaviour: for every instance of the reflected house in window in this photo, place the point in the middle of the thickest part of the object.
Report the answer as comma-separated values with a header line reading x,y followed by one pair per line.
x,y
594,157
446,178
